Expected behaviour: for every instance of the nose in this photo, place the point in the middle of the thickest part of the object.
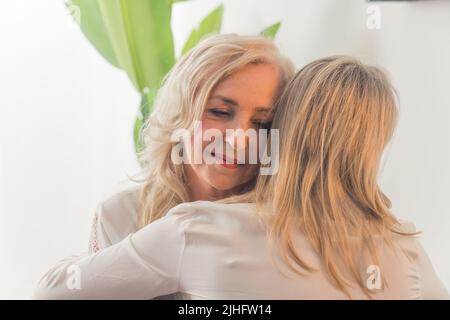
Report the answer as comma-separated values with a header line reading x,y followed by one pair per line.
x,y
237,136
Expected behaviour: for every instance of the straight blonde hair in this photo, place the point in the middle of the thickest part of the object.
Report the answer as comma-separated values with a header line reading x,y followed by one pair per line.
x,y
181,101
334,118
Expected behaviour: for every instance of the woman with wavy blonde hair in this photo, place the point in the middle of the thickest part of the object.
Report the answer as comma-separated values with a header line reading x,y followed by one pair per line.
x,y
321,228
226,81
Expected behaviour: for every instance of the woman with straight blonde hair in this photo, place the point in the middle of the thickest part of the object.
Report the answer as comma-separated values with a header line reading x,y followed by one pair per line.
x,y
337,117
318,228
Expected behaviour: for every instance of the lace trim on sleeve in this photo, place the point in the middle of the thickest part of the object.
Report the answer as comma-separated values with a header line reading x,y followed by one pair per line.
x,y
93,239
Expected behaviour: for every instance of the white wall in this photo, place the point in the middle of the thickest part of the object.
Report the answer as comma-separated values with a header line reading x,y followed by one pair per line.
x,y
66,139
66,116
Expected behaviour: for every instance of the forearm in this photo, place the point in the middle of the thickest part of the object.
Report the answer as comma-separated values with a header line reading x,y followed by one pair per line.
x,y
116,272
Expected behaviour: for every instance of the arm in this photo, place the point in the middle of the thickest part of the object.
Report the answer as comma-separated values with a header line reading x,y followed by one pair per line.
x,y
114,219
144,265
98,238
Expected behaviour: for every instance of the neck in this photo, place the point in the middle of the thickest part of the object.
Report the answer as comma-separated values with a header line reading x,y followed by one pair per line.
x,y
199,190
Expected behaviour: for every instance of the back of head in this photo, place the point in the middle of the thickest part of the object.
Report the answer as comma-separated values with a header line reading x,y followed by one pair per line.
x,y
334,119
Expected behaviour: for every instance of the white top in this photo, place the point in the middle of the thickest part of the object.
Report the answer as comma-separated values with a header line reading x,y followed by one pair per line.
x,y
207,250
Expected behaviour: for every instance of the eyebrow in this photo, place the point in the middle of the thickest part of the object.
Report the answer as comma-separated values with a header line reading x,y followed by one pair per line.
x,y
233,103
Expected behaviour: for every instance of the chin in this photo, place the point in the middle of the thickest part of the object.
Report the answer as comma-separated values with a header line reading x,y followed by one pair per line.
x,y
228,183
222,185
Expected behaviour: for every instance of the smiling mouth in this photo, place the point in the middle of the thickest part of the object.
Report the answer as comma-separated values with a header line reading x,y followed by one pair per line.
x,y
222,160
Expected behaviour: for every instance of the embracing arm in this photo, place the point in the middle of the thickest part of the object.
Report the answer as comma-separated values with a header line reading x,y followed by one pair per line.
x,y
98,238
114,219
144,265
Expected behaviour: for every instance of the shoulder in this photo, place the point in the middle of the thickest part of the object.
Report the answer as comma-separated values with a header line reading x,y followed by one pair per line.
x,y
408,244
421,270
210,209
118,213
407,226
232,217
125,199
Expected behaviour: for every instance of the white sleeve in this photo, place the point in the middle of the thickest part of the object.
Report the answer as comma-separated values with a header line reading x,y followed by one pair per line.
x,y
98,238
142,266
115,218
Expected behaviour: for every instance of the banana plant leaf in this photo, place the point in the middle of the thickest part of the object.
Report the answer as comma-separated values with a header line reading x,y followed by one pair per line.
x,y
136,36
210,24
271,31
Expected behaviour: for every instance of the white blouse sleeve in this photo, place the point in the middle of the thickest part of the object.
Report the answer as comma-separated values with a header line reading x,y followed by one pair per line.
x,y
115,218
144,265
98,238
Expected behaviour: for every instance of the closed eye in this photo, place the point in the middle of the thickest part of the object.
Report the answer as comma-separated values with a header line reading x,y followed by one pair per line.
x,y
219,113
262,124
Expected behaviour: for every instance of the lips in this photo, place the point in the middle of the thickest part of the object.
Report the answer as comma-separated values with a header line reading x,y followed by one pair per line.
x,y
230,164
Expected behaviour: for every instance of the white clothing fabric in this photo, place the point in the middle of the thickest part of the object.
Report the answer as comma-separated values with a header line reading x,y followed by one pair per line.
x,y
209,250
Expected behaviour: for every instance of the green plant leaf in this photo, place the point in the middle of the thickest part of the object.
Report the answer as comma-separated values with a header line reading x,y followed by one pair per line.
x,y
271,31
138,145
147,99
210,24
134,35
93,27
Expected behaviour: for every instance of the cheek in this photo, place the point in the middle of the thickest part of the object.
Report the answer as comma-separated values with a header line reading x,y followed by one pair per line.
x,y
213,174
213,124
249,172
209,124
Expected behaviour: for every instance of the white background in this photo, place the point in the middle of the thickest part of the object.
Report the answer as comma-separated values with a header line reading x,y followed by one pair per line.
x,y
66,116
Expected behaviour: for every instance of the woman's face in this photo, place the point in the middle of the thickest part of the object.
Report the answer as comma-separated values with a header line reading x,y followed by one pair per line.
x,y
241,101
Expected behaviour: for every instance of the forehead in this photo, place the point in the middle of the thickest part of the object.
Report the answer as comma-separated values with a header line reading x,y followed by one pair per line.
x,y
253,85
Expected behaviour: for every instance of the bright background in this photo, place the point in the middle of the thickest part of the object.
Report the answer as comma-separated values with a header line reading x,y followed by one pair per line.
x,y
66,116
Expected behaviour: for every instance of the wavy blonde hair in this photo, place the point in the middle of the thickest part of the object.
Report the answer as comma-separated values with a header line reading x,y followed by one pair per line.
x,y
335,118
181,101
